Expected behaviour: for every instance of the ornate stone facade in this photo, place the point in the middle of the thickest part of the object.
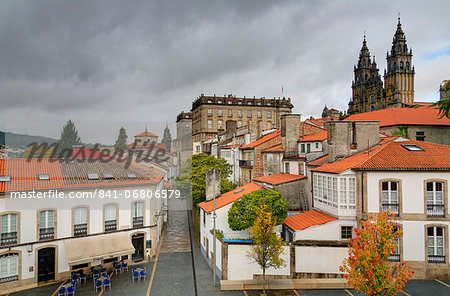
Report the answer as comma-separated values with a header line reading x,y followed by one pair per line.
x,y
368,92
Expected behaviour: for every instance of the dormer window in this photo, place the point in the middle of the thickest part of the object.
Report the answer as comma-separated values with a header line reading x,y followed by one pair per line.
x,y
6,178
108,176
412,147
131,176
92,176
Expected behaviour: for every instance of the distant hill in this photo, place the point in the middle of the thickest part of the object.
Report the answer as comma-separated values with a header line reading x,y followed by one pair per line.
x,y
22,141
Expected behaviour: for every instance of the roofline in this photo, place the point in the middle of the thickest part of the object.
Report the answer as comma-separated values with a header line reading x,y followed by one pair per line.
x,y
402,169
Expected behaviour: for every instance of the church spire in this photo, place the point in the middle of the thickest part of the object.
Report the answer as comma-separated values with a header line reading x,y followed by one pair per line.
x,y
364,55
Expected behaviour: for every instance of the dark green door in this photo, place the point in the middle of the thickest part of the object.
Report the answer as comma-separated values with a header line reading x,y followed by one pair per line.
x,y
46,264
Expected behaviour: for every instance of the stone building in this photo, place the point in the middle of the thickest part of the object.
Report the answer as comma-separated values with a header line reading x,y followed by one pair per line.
x,y
167,138
368,92
210,113
183,142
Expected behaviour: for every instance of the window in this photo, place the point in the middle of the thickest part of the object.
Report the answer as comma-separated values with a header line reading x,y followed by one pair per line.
x,y
79,221
259,114
240,103
209,124
372,98
5,178
230,112
138,214
92,176
219,112
435,244
108,176
435,199
249,113
230,102
352,193
308,147
249,103
420,136
389,197
209,112
269,114
286,168
343,193
131,176
346,232
401,65
219,101
239,124
317,145
43,177
9,270
302,148
412,147
407,65
9,229
239,113
204,217
46,225
395,255
220,124
110,217
197,148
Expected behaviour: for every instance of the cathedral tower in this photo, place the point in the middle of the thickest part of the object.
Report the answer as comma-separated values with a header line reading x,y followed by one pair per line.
x,y
399,76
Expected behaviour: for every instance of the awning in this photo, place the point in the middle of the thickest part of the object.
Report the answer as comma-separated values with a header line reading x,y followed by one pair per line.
x,y
100,247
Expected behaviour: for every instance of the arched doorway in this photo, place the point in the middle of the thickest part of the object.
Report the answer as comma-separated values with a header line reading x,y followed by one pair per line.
x,y
46,264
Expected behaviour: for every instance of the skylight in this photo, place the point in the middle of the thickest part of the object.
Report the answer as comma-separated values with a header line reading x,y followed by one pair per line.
x,y
44,177
108,176
5,178
412,147
93,176
131,176
236,192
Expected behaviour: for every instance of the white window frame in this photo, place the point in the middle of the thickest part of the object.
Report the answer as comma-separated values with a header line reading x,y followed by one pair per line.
x,y
110,212
437,242
78,216
44,219
137,210
10,227
9,266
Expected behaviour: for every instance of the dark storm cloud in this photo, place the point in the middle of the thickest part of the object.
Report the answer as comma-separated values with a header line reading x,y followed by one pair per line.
x,y
148,60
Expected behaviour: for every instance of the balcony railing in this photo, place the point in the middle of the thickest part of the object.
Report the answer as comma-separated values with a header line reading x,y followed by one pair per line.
x,y
46,233
80,229
138,221
435,210
390,207
9,238
110,225
9,279
245,163
436,259
394,258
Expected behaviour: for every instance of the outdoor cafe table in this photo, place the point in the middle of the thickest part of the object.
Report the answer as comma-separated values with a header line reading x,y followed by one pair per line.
x,y
139,269
67,285
102,278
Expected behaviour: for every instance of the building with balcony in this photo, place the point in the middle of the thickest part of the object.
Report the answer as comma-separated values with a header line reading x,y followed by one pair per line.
x,y
62,215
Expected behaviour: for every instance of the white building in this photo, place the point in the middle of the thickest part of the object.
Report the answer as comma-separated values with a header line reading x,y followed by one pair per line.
x,y
232,154
102,214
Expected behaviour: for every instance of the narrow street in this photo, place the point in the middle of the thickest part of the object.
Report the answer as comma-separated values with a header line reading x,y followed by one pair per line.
x,y
180,268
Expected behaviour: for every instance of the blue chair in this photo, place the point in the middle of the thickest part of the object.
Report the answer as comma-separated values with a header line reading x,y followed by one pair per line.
x,y
117,268
95,274
71,291
98,285
74,283
103,271
62,291
124,266
107,283
135,275
143,275
83,277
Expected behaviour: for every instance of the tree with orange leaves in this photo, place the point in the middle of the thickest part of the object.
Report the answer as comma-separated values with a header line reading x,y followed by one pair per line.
x,y
367,267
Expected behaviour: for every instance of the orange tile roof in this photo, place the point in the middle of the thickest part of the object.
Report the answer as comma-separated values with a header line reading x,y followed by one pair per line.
x,y
391,155
146,134
319,161
322,136
277,148
24,175
229,197
403,116
320,121
279,178
232,146
307,219
262,140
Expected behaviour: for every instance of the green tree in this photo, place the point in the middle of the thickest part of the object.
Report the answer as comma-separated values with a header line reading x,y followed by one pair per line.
x,y
444,105
193,174
401,131
367,267
266,244
244,211
121,143
69,137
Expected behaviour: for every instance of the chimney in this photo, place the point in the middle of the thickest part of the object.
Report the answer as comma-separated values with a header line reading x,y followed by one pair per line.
x,y
290,133
231,126
365,134
212,174
339,139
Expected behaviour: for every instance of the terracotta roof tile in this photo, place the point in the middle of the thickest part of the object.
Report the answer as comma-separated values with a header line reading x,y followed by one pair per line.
x,y
307,219
277,148
322,136
262,139
229,197
146,134
403,116
279,178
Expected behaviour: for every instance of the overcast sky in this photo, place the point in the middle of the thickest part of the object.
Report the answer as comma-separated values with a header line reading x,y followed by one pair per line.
x,y
106,64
